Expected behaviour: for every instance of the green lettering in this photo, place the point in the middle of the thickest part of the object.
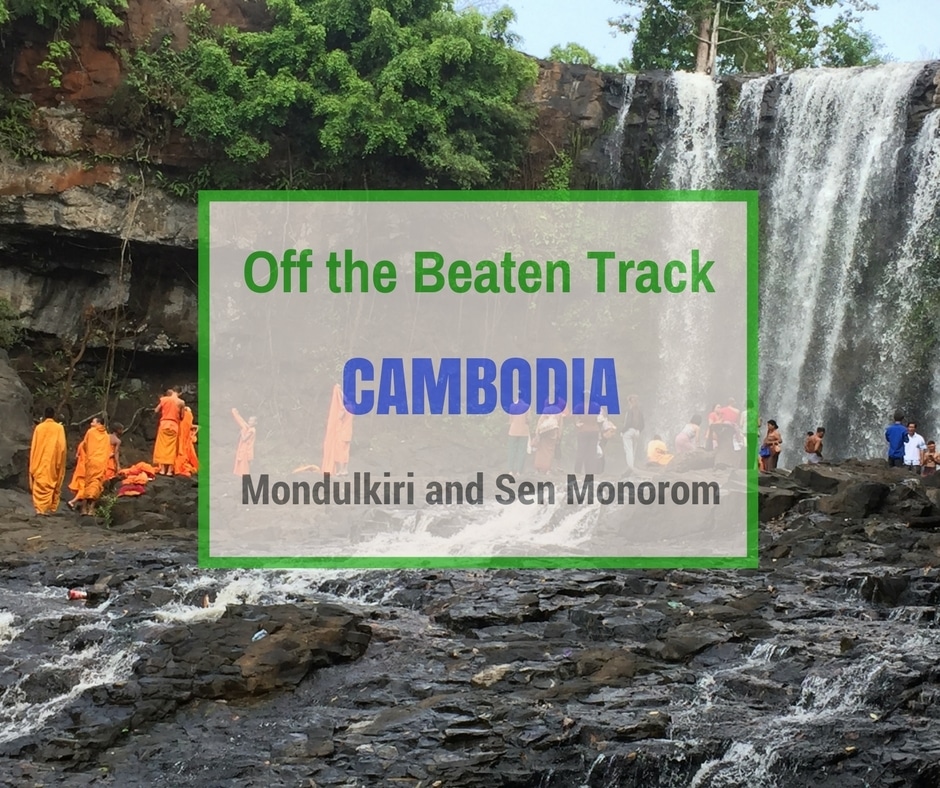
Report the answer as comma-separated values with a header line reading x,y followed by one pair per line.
x,y
672,286
700,275
648,280
434,271
600,258
530,277
272,272
562,266
459,276
487,282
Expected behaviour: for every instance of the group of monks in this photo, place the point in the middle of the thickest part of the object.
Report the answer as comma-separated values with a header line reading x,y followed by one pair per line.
x,y
97,460
98,457
174,451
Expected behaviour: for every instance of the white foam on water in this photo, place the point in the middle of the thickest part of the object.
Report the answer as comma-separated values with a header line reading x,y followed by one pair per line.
x,y
18,717
8,632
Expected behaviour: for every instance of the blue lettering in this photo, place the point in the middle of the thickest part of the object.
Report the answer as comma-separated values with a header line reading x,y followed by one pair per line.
x,y
544,369
447,380
363,366
507,385
481,379
393,393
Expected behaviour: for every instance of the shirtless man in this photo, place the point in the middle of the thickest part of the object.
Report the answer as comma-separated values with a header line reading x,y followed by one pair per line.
x,y
114,462
814,445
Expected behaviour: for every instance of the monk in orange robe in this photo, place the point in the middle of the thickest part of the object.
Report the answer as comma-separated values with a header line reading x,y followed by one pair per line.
x,y
77,485
338,436
47,464
245,452
187,463
97,444
114,460
170,410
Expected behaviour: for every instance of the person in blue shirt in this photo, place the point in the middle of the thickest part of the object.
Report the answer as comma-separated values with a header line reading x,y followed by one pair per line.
x,y
896,435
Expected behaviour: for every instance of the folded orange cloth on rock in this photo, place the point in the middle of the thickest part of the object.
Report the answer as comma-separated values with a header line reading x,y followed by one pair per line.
x,y
131,489
137,468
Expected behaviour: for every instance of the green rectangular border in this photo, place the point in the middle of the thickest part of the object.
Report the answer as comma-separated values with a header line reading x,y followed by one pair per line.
x,y
748,561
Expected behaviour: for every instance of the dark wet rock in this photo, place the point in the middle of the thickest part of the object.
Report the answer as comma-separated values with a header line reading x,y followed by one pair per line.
x,y
884,589
16,403
773,503
530,678
683,641
855,500
207,659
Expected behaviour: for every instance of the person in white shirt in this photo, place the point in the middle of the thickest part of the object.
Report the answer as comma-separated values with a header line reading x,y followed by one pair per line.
x,y
914,449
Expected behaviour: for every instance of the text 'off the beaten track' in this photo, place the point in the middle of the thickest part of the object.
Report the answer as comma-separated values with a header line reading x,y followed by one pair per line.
x,y
346,273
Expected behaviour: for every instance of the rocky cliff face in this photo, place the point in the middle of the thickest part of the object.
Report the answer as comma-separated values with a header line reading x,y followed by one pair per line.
x,y
88,235
84,227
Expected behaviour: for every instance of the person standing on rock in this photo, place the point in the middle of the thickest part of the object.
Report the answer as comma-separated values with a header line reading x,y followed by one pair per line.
x,y
914,449
896,435
814,445
930,459
97,444
187,463
47,464
245,452
632,427
773,442
170,410
114,461
336,442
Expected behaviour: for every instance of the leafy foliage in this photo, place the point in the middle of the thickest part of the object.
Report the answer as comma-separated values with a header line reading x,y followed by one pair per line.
x,y
17,135
751,34
10,329
412,83
572,53
558,175
577,54
60,15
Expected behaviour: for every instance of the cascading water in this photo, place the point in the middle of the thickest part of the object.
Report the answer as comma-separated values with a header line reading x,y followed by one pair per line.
x,y
849,210
615,147
839,137
693,162
694,150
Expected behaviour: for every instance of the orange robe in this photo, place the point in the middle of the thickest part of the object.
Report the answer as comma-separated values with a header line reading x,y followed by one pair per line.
x,y
658,452
338,433
77,485
47,465
97,443
187,463
164,449
245,452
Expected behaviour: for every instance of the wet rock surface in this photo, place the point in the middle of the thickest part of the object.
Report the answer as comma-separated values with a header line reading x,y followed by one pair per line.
x,y
818,668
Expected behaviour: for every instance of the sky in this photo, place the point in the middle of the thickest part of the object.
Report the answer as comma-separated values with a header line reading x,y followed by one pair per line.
x,y
909,29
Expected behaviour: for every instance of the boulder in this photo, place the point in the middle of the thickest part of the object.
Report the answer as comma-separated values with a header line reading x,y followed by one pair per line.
x,y
16,433
856,500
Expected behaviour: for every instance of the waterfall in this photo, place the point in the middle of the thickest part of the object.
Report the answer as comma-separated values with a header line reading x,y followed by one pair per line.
x,y
693,163
694,149
615,146
838,138
848,256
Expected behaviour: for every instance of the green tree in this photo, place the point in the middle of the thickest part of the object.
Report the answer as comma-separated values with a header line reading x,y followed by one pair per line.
x,y
414,85
572,53
62,13
843,43
577,54
743,35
